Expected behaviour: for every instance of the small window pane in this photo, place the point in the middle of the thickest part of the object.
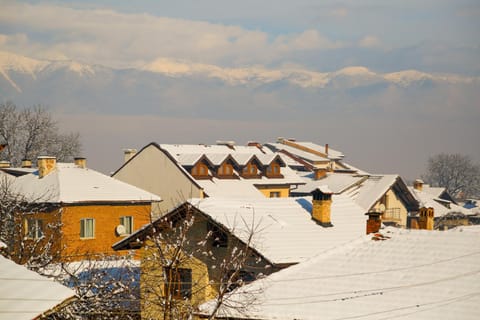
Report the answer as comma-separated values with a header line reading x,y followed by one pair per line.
x,y
34,228
127,222
87,228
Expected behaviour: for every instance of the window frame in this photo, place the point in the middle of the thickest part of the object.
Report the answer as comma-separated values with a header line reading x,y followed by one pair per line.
x,y
178,282
275,194
127,231
200,170
83,228
34,228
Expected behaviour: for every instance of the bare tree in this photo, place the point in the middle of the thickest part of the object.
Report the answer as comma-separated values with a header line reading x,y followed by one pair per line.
x,y
31,132
28,241
184,266
455,172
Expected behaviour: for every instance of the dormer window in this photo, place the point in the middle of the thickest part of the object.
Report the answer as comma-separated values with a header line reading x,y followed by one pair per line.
x,y
225,170
200,171
250,170
273,170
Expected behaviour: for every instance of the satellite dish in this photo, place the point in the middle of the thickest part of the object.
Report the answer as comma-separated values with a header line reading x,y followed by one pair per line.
x,y
381,208
120,230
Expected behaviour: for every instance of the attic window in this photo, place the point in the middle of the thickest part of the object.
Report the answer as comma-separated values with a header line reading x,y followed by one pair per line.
x,y
200,171
218,236
225,170
273,170
250,170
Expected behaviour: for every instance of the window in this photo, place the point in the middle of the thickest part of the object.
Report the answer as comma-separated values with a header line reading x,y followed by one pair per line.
x,y
179,282
87,228
274,194
127,222
225,170
250,170
219,238
242,277
34,228
273,170
200,170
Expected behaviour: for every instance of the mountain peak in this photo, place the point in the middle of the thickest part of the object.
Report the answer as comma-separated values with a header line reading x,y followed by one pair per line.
x,y
18,63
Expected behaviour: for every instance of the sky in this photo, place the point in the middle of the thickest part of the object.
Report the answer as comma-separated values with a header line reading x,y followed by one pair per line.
x,y
390,134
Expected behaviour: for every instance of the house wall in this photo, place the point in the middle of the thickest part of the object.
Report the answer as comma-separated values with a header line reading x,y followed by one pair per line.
x,y
283,190
107,218
152,286
48,245
206,272
153,171
395,210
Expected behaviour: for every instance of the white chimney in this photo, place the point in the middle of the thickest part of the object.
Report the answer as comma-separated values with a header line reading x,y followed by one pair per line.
x,y
129,153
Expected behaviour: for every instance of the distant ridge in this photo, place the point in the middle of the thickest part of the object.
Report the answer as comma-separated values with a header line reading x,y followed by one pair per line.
x,y
349,77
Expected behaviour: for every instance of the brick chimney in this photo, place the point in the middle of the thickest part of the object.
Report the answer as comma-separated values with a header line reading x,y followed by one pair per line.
x,y
326,148
321,206
4,164
319,173
26,163
46,165
426,218
129,153
418,185
374,221
80,162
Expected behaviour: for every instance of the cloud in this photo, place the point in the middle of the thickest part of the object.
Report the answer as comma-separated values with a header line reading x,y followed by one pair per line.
x,y
114,38
369,42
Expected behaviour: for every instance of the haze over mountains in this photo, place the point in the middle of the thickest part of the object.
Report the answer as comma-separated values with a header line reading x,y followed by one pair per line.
x,y
254,102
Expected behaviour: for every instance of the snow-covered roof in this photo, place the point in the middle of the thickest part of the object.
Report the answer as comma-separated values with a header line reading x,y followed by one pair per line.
x,y
440,207
176,150
335,181
188,155
365,190
311,157
372,189
434,191
69,183
25,294
411,274
332,154
287,232
6,178
235,188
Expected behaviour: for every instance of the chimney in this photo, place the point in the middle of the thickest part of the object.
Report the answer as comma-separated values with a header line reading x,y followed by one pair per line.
x,y
129,153
80,162
321,206
326,148
319,173
426,218
254,144
229,144
26,163
374,221
4,164
45,165
418,185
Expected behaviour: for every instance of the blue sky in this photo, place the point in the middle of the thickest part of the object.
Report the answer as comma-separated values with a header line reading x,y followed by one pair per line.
x,y
433,36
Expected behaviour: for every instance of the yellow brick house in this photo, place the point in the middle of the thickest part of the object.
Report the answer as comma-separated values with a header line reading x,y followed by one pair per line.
x,y
79,211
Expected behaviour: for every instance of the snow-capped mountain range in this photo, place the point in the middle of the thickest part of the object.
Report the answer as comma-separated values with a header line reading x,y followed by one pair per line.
x,y
13,66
